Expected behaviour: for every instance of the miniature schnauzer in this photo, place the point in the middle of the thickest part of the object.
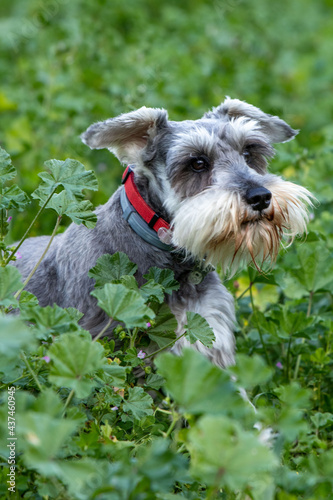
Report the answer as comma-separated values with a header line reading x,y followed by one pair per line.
x,y
195,194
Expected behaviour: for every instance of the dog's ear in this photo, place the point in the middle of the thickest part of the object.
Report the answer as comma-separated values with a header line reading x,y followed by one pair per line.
x,y
276,129
127,134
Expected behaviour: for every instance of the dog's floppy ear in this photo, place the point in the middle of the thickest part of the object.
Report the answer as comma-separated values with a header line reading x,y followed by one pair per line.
x,y
276,129
127,134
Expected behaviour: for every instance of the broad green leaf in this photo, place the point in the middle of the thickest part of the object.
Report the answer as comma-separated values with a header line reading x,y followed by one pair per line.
x,y
316,267
111,268
291,323
10,282
294,400
322,419
27,299
250,371
42,437
130,282
14,337
70,174
161,463
164,277
163,331
123,305
152,291
197,328
13,197
81,212
138,403
197,385
7,171
132,356
50,319
75,360
225,455
113,374
154,381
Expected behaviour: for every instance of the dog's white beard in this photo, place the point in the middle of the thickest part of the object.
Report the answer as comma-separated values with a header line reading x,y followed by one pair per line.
x,y
220,227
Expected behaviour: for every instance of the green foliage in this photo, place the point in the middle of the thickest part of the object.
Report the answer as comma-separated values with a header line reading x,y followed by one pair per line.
x,y
111,268
108,419
124,305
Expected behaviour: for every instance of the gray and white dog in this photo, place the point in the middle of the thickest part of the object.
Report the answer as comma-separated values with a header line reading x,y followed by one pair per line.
x,y
205,178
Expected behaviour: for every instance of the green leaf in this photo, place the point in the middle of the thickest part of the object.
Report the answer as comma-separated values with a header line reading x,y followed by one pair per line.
x,y
196,385
132,357
7,171
292,323
294,400
14,337
80,212
225,455
114,375
197,328
111,268
163,331
130,282
138,403
322,419
42,437
13,197
75,362
316,267
164,277
152,291
27,299
10,282
250,371
154,381
50,319
161,463
123,305
70,174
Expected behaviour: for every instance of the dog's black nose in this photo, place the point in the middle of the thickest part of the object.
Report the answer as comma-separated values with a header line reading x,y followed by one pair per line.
x,y
259,198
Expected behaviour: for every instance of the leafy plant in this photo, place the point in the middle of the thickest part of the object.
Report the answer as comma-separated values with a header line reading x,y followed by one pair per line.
x,y
123,418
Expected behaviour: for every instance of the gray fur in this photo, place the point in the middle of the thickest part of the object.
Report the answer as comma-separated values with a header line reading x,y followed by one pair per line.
x,y
162,152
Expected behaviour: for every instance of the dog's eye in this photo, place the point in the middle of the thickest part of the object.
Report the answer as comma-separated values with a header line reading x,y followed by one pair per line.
x,y
247,156
199,165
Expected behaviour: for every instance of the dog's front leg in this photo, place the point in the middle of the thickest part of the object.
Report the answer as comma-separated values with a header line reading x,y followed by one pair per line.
x,y
212,301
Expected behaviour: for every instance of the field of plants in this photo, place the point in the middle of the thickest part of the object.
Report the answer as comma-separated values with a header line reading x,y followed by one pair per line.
x,y
101,419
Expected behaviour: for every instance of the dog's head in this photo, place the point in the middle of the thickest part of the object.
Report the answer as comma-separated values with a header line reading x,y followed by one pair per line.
x,y
210,176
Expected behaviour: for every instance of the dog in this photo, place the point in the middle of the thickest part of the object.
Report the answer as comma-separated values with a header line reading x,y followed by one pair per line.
x,y
196,194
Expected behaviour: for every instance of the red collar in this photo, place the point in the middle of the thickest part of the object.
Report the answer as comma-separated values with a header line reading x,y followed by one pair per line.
x,y
153,219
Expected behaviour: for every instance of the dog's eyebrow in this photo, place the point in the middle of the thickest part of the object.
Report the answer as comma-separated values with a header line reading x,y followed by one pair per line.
x,y
242,131
199,141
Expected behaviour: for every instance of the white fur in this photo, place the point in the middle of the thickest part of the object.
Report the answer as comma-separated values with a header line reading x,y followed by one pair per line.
x,y
217,307
212,224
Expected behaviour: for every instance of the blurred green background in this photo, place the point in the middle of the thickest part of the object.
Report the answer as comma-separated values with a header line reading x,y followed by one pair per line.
x,y
67,63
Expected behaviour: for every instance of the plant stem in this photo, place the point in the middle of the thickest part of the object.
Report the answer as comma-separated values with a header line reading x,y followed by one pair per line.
x,y
288,356
103,330
175,418
68,400
33,374
259,329
245,291
2,222
166,346
41,258
299,357
133,337
29,228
